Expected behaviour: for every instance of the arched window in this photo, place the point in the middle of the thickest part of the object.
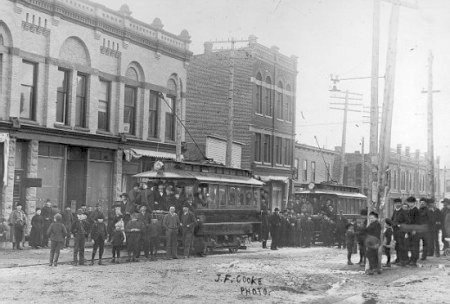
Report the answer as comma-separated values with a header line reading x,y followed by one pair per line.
x,y
259,97
279,105
170,114
268,97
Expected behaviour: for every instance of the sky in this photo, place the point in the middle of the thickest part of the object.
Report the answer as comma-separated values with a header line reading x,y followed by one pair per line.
x,y
332,37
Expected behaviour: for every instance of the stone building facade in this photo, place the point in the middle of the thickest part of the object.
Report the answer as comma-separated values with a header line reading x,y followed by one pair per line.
x,y
88,98
264,109
314,165
409,174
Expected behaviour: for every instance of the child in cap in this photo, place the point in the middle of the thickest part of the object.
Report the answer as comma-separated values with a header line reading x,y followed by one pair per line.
x,y
57,234
133,229
350,238
117,240
98,235
154,231
387,245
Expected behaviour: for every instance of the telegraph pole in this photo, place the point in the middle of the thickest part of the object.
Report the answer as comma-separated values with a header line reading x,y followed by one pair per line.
x,y
374,111
230,123
347,97
363,177
430,140
230,109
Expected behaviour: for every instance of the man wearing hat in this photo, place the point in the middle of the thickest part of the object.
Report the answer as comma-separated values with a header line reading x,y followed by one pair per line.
x,y
47,214
434,224
394,218
445,222
135,194
413,236
18,222
275,224
372,242
187,224
147,195
401,218
79,231
145,218
159,197
424,220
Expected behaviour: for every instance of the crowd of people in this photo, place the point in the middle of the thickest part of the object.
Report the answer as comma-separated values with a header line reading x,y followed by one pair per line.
x,y
135,223
290,229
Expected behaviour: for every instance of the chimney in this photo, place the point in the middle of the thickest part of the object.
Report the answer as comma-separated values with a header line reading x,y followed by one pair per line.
x,y
407,151
417,153
399,149
208,47
252,39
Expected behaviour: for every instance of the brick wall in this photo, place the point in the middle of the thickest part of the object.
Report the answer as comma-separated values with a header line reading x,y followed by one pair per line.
x,y
312,154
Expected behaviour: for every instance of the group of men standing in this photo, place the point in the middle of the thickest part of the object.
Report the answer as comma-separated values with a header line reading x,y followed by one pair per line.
x,y
286,229
419,221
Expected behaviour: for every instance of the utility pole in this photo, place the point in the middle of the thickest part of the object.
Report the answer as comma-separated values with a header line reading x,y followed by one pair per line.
x,y
430,140
374,110
386,121
230,123
178,112
347,97
229,152
363,177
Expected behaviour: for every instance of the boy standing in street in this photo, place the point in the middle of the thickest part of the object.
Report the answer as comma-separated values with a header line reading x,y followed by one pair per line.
x,y
154,231
349,241
117,239
98,235
79,232
57,233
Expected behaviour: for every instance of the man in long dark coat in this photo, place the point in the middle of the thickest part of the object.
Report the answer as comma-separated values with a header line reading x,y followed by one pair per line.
x,y
275,225
47,214
264,227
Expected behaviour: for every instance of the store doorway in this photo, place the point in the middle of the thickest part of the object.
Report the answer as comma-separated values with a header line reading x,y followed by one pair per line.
x,y
76,176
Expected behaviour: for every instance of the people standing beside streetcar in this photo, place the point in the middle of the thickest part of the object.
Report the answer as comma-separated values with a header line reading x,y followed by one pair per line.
x,y
171,223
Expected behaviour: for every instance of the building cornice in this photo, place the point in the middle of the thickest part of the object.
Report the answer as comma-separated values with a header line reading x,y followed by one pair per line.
x,y
157,44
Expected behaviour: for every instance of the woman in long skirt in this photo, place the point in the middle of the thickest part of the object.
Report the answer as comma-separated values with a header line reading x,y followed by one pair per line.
x,y
37,226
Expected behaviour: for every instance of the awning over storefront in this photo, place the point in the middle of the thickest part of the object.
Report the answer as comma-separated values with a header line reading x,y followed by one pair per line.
x,y
202,178
274,178
338,193
138,153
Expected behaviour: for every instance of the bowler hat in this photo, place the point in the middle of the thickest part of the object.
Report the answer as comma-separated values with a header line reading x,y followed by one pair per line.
x,y
411,199
276,209
397,200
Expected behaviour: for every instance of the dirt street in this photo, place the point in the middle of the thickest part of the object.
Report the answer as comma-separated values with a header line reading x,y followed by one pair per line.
x,y
289,275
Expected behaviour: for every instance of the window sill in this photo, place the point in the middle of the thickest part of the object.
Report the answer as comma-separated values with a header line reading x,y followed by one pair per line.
x,y
101,132
154,139
82,129
259,114
26,121
268,116
62,126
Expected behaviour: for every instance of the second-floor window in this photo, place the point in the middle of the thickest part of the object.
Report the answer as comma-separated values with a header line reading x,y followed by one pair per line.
x,y
259,97
103,105
267,149
279,110
129,114
268,98
279,150
305,170
28,90
257,147
170,118
313,171
153,114
62,97
80,110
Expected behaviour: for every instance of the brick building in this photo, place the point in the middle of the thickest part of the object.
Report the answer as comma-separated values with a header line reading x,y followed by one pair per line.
x,y
88,98
409,174
314,165
264,111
